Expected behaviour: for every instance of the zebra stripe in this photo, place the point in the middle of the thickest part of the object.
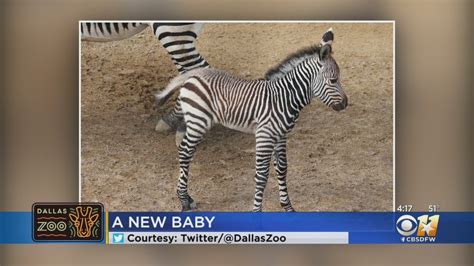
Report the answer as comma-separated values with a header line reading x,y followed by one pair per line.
x,y
267,108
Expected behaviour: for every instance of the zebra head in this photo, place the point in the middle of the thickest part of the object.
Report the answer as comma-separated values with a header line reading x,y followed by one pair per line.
x,y
327,84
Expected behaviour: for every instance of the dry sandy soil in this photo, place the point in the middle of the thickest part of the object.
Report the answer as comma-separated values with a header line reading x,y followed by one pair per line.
x,y
337,161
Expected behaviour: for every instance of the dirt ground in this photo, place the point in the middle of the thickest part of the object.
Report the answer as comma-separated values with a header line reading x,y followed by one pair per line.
x,y
338,161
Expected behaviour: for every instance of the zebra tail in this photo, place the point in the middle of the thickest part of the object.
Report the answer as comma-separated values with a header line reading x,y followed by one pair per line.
x,y
163,96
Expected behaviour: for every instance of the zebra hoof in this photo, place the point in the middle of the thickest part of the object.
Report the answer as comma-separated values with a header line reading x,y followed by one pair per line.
x,y
162,126
287,207
188,206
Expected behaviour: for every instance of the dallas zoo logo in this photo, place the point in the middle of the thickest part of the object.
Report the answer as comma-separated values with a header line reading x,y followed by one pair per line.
x,y
70,222
421,229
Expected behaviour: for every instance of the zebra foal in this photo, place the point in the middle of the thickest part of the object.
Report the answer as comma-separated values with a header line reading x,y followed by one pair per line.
x,y
267,108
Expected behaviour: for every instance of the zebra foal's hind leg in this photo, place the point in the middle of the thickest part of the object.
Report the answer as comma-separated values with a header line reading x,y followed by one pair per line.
x,y
193,135
281,167
186,150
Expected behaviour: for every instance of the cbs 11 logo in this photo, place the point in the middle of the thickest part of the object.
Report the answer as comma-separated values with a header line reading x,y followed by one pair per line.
x,y
424,225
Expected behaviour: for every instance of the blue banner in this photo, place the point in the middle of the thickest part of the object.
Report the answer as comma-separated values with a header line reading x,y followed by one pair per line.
x,y
16,228
362,228
248,221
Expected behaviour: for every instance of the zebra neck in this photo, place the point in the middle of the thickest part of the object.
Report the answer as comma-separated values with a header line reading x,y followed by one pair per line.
x,y
297,85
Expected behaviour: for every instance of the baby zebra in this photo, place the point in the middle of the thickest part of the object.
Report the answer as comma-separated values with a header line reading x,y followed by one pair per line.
x,y
267,108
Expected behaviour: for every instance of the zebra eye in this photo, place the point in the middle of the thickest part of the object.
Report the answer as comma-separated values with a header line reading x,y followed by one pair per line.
x,y
333,80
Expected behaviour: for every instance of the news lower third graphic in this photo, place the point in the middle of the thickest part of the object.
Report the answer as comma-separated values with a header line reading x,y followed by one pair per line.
x,y
68,222
83,223
290,228
203,228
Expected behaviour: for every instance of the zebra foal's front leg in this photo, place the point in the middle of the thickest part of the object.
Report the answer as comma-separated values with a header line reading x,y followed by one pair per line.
x,y
281,168
263,154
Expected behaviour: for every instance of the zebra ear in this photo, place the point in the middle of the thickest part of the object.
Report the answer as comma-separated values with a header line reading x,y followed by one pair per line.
x,y
324,51
328,38
325,44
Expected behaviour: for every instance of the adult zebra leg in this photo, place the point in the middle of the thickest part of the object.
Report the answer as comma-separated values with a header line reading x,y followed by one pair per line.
x,y
281,167
263,154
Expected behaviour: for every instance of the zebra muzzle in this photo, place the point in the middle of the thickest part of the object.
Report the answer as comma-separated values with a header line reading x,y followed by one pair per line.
x,y
340,105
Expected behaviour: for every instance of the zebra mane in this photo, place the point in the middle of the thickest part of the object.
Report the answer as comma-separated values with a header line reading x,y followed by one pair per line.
x,y
291,61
